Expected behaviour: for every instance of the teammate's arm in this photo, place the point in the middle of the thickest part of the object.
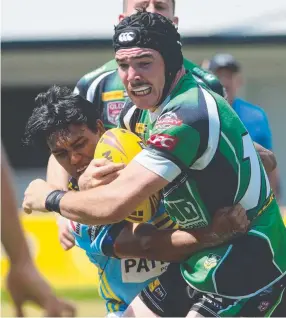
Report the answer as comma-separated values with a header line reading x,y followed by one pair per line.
x,y
267,157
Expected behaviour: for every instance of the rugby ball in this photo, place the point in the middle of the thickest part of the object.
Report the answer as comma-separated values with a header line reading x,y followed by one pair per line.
x,y
121,146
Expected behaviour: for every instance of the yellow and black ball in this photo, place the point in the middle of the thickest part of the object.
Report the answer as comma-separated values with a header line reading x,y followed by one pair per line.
x,y
121,146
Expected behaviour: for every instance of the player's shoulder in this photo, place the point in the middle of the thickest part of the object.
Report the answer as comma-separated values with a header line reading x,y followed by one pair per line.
x,y
193,105
189,94
100,73
245,108
204,76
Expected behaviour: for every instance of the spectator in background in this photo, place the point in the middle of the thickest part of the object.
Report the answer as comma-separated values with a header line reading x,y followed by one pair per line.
x,y
24,282
228,70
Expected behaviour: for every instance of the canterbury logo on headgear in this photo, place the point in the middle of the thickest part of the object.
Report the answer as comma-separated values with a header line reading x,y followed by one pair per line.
x,y
126,37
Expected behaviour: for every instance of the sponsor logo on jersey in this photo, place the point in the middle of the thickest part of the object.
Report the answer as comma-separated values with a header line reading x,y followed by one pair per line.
x,y
263,305
157,290
136,270
140,128
113,111
211,261
93,231
76,228
126,37
163,141
214,302
113,95
168,120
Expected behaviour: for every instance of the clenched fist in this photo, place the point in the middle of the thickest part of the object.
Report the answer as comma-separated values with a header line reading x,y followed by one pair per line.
x,y
228,222
35,196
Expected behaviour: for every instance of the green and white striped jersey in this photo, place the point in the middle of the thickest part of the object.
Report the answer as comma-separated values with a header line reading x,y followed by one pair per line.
x,y
209,157
196,141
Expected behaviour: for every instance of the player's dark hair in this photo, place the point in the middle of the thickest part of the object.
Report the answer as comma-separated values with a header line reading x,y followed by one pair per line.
x,y
125,5
55,110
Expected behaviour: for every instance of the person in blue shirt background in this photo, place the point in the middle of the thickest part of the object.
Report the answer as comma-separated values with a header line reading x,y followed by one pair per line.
x,y
228,70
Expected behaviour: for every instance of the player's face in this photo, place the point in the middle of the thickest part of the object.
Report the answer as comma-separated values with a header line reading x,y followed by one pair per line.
x,y
230,81
164,7
142,72
74,149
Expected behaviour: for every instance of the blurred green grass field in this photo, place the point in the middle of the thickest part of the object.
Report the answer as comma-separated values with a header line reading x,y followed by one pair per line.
x,y
87,302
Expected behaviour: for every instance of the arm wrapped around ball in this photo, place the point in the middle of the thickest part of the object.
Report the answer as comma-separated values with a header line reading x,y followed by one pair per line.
x,y
146,241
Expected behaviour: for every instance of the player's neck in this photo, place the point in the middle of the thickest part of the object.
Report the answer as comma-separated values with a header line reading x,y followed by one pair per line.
x,y
179,75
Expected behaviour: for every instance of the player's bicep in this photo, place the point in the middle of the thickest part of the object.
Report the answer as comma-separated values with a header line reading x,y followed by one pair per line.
x,y
136,183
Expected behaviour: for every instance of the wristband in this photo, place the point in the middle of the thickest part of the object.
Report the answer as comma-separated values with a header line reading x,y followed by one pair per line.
x,y
52,203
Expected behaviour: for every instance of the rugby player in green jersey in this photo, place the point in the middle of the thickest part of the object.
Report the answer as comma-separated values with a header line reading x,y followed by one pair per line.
x,y
104,88
201,156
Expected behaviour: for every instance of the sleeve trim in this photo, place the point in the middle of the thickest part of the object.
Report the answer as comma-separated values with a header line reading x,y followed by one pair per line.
x,y
158,164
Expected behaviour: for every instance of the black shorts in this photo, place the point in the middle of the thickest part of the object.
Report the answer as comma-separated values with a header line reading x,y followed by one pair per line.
x,y
170,296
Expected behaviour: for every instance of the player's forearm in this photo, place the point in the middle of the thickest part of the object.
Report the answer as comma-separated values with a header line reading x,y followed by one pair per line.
x,y
267,157
56,174
102,205
165,245
113,202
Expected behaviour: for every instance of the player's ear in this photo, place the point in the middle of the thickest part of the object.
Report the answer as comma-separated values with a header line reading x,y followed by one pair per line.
x,y
176,21
100,127
121,17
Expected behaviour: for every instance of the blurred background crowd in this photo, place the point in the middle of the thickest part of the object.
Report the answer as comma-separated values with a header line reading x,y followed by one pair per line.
x,y
57,42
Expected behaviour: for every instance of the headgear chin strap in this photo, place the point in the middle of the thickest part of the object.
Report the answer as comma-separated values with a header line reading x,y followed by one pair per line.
x,y
152,31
